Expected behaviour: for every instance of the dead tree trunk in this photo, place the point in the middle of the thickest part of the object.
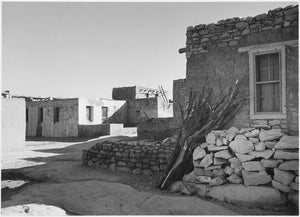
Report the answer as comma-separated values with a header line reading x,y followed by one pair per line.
x,y
201,115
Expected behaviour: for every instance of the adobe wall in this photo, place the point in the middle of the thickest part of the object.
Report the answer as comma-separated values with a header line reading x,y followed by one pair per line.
x,y
213,58
13,124
156,128
137,157
134,92
68,118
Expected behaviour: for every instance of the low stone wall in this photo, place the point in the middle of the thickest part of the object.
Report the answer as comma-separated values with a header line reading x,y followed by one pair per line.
x,y
254,156
137,157
156,128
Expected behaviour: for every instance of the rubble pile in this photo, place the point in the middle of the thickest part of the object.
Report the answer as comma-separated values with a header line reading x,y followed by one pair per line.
x,y
137,157
253,156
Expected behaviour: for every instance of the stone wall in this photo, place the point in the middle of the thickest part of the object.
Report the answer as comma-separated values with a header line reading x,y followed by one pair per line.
x,y
213,58
156,128
137,157
254,156
179,97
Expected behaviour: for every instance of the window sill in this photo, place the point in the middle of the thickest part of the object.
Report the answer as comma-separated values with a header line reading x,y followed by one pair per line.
x,y
261,116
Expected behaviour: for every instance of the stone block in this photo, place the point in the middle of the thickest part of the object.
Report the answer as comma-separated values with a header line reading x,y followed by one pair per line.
x,y
201,189
211,139
206,161
232,130
288,142
253,140
240,137
244,157
256,178
234,178
270,135
280,186
219,142
203,145
287,155
203,179
213,167
241,146
260,146
266,154
238,170
199,171
253,166
294,186
245,130
289,165
216,148
269,163
284,177
252,134
225,154
218,172
198,153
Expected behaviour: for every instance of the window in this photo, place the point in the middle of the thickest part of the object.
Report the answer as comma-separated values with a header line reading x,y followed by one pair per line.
x,y
56,114
104,113
26,115
40,115
89,113
267,82
267,75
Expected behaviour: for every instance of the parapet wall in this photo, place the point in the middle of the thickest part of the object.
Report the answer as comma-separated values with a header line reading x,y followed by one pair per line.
x,y
229,32
137,157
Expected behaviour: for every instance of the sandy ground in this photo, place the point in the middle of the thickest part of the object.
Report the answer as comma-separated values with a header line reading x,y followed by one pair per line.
x,y
55,177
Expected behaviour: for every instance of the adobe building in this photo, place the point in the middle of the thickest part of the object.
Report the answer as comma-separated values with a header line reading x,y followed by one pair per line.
x,y
13,123
263,48
73,117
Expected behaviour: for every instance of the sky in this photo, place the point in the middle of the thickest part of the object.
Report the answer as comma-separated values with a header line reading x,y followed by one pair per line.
x,y
85,49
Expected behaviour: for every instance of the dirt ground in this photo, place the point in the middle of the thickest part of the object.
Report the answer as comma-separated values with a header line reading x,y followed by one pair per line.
x,y
54,176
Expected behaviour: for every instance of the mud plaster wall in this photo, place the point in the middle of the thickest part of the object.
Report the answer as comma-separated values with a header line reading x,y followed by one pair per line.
x,y
68,118
13,124
221,64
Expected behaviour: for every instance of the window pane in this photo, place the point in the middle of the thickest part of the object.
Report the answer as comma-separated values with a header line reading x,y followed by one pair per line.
x,y
268,98
267,67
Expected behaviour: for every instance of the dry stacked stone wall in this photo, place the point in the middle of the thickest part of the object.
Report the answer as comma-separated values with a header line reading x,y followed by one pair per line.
x,y
229,32
137,157
256,156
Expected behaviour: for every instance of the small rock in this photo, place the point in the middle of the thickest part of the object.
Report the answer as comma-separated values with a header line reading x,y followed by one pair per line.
x,y
256,178
253,166
199,171
284,177
280,186
262,126
112,167
217,181
213,167
203,179
269,163
198,153
206,161
224,141
288,142
219,142
289,165
204,145
244,157
240,137
270,135
233,130
223,154
176,186
253,140
211,139
196,163
241,146
238,170
218,172
219,161
260,146
252,134
147,172
234,162
281,154
208,173
234,178
191,177
294,186
228,170
270,144
266,154
245,130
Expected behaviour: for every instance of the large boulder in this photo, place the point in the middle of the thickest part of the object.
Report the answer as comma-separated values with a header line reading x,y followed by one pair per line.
x,y
241,146
288,142
238,193
256,178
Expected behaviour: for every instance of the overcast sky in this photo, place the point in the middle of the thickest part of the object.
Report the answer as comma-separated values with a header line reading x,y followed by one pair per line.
x,y
85,49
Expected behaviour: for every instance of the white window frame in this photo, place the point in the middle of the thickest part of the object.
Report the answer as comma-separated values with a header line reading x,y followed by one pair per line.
x,y
255,50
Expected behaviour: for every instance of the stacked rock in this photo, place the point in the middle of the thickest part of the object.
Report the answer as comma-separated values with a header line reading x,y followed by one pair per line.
x,y
250,156
137,157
